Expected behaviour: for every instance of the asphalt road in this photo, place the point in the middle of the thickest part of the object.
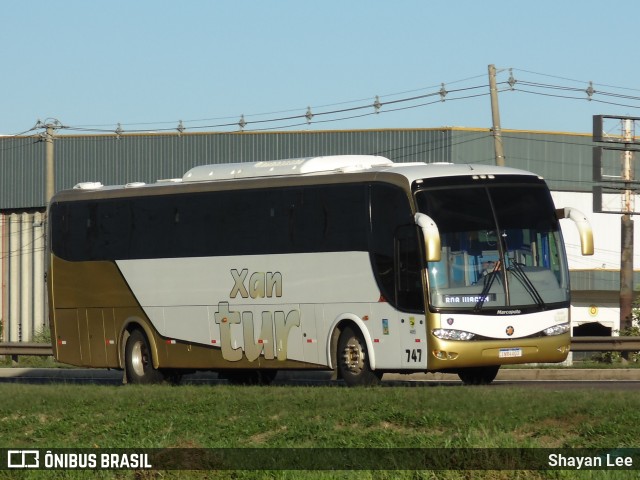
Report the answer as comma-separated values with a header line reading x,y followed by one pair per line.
x,y
619,379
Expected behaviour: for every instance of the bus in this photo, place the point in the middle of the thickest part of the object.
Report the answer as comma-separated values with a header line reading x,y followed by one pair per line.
x,y
352,264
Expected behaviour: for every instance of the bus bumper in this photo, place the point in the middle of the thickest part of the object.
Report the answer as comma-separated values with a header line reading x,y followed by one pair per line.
x,y
452,354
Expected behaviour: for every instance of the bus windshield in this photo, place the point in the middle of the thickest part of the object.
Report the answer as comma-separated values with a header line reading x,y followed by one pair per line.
x,y
501,246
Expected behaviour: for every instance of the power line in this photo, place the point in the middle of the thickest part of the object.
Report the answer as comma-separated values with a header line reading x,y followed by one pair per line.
x,y
589,91
309,116
595,100
313,114
97,127
575,80
324,114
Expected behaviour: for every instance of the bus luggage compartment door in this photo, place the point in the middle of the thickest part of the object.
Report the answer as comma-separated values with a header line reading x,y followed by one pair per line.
x,y
66,341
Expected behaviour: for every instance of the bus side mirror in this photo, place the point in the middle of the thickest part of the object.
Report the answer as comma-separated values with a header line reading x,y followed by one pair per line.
x,y
431,236
584,227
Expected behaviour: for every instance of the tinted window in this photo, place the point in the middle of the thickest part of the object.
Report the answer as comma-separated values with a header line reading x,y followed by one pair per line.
x,y
241,222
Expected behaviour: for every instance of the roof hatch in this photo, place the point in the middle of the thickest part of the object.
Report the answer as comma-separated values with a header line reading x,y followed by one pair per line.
x,y
295,166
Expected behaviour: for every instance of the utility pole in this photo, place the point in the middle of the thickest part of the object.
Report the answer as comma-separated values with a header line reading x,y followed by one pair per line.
x,y
50,183
50,126
626,232
495,114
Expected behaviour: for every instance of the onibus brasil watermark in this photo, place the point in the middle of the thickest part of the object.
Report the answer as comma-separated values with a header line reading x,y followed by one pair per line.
x,y
321,459
53,460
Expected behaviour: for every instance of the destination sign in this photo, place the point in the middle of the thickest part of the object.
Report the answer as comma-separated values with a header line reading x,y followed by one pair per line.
x,y
468,298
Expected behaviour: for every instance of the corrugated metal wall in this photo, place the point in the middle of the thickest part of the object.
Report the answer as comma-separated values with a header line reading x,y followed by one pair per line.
x,y
147,158
21,173
563,159
22,303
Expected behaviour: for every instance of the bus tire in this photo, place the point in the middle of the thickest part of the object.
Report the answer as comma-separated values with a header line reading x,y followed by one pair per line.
x,y
478,375
138,360
353,360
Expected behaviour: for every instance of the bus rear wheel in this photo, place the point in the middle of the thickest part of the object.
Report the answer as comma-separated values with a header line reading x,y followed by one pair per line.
x,y
138,360
353,360
478,375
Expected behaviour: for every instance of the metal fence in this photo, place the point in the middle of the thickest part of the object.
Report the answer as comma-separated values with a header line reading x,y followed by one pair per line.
x,y
22,266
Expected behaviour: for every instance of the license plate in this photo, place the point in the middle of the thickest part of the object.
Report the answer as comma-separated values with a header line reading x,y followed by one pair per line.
x,y
510,352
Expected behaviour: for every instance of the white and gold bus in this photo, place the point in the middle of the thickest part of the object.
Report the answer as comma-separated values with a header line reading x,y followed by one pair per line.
x,y
353,264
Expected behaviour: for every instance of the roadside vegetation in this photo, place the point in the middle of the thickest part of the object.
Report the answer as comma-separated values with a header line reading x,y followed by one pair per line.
x,y
623,358
27,361
448,417
222,416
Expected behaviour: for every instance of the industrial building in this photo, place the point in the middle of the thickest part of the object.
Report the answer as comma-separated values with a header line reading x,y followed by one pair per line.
x,y
563,159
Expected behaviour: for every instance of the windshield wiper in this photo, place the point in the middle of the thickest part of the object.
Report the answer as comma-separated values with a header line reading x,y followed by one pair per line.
x,y
520,274
488,282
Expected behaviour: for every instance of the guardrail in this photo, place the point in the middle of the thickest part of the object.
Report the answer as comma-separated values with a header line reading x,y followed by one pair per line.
x,y
37,349
578,344
605,344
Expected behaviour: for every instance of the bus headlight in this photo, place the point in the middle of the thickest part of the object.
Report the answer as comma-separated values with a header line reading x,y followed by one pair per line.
x,y
557,329
448,334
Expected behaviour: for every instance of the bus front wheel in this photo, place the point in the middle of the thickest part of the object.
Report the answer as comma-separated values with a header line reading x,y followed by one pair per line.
x,y
138,360
353,359
478,375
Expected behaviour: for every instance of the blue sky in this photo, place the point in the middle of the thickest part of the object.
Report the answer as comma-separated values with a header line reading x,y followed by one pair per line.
x,y
148,64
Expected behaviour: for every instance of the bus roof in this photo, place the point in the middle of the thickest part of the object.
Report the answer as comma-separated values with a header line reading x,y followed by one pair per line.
x,y
321,165
340,164
293,166
418,171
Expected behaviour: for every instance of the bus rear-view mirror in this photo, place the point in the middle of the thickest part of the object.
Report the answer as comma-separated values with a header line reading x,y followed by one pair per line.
x,y
431,236
584,227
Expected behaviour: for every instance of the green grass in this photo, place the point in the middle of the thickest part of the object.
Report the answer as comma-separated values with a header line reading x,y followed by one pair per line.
x,y
285,416
28,361
86,416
